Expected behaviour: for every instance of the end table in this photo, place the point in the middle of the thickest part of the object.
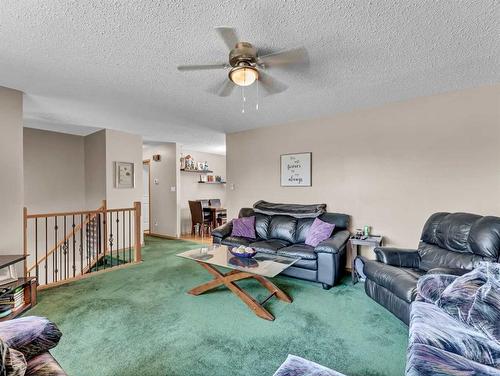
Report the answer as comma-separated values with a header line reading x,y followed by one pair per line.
x,y
371,241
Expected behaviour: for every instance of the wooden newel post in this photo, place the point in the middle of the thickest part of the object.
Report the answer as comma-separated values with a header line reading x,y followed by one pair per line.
x,y
25,241
137,231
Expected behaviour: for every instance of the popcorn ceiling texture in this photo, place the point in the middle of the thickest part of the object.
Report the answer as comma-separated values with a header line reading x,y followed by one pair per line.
x,y
113,63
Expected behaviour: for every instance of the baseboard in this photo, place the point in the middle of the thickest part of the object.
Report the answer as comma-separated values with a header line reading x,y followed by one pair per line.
x,y
163,236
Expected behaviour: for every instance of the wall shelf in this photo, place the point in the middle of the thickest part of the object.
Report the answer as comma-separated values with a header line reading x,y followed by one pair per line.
x,y
212,182
197,171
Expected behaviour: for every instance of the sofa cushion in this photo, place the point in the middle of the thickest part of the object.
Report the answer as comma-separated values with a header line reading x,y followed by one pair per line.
x,y
244,227
400,281
236,241
282,227
269,246
433,256
262,225
303,225
302,251
430,325
464,233
318,232
425,360
31,335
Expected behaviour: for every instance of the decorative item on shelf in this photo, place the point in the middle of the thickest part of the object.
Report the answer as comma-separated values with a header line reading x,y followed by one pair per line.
x,y
124,175
210,178
8,274
200,166
203,178
205,166
189,163
366,230
183,162
156,157
218,179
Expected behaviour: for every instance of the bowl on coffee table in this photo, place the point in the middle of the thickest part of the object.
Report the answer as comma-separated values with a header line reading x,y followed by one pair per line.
x,y
243,252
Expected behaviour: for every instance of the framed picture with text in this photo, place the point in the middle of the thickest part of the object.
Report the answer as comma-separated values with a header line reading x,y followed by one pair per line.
x,y
296,170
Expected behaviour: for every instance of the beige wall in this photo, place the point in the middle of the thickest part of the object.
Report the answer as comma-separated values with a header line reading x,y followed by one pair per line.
x,y
164,219
190,189
95,169
54,174
11,165
388,167
123,147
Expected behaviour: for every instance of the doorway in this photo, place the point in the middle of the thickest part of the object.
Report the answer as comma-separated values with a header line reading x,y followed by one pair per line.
x,y
146,206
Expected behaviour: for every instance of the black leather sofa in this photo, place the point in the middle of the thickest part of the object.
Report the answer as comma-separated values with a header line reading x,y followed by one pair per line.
x,y
285,235
450,244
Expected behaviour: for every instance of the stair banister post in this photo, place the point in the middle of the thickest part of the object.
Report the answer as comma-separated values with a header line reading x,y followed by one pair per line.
x,y
137,231
104,208
25,241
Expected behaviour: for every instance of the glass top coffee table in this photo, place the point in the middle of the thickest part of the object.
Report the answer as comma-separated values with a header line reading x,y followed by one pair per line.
x,y
258,268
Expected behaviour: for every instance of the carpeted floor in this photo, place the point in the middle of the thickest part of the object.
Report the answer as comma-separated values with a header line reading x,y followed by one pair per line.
x,y
140,321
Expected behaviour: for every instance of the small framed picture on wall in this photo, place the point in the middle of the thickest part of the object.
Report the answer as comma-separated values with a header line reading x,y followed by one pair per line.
x,y
296,170
124,175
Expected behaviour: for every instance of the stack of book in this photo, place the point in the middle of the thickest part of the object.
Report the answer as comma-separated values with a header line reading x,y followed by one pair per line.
x,y
11,301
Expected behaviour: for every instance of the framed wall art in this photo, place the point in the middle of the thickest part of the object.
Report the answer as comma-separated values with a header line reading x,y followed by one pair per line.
x,y
296,170
124,175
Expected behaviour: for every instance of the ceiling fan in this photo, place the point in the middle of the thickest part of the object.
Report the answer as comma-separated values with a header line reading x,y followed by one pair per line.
x,y
247,66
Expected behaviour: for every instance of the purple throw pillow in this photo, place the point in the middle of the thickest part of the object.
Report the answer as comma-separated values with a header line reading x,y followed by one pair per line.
x,y
318,232
244,226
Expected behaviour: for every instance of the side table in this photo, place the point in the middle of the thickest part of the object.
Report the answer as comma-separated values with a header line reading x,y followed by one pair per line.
x,y
371,241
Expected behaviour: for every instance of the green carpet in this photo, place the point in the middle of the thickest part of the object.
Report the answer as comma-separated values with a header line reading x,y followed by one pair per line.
x,y
140,321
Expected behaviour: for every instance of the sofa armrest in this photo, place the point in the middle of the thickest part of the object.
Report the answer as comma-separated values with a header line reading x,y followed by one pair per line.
x,y
406,258
333,244
31,335
431,286
223,231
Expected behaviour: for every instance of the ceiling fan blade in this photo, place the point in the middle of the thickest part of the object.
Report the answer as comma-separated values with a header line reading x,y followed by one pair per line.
x,y
288,58
201,67
223,88
271,85
228,34
226,89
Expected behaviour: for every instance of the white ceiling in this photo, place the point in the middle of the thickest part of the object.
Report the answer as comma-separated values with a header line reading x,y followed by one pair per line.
x,y
113,63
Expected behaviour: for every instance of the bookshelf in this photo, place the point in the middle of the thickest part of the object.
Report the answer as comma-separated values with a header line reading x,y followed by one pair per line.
x,y
28,286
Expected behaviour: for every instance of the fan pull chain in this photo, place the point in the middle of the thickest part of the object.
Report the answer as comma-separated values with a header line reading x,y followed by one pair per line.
x,y
244,99
257,104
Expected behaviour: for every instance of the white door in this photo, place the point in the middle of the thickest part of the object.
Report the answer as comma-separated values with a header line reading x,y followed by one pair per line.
x,y
145,198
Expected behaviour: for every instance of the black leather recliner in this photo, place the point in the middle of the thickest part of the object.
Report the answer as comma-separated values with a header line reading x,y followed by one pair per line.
x,y
285,235
450,244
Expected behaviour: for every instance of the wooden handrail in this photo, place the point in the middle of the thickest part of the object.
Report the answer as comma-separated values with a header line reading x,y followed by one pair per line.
x,y
62,214
77,230
63,241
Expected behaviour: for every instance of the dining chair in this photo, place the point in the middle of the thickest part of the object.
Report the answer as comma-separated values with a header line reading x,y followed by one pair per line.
x,y
221,216
199,219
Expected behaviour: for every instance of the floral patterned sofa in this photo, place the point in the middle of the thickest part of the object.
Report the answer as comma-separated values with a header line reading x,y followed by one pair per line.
x,y
25,345
455,324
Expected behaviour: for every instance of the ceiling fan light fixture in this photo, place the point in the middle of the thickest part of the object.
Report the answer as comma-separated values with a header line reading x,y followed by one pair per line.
x,y
244,75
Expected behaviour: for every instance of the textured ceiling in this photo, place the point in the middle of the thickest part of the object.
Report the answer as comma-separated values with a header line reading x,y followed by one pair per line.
x,y
113,63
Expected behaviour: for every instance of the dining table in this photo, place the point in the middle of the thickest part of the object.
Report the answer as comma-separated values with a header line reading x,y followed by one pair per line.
x,y
214,212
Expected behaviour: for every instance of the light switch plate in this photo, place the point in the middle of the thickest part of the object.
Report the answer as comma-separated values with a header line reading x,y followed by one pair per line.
x,y
172,189
156,181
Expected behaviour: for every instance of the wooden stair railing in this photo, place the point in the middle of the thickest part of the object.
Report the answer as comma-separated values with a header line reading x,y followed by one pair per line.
x,y
81,242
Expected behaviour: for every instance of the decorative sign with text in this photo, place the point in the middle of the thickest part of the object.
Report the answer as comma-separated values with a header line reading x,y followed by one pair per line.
x,y
296,170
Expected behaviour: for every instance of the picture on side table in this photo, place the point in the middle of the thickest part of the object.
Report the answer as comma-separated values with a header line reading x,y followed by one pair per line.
x,y
296,170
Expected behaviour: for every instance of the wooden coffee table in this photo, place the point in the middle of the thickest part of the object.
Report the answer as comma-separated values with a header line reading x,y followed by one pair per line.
x,y
260,267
